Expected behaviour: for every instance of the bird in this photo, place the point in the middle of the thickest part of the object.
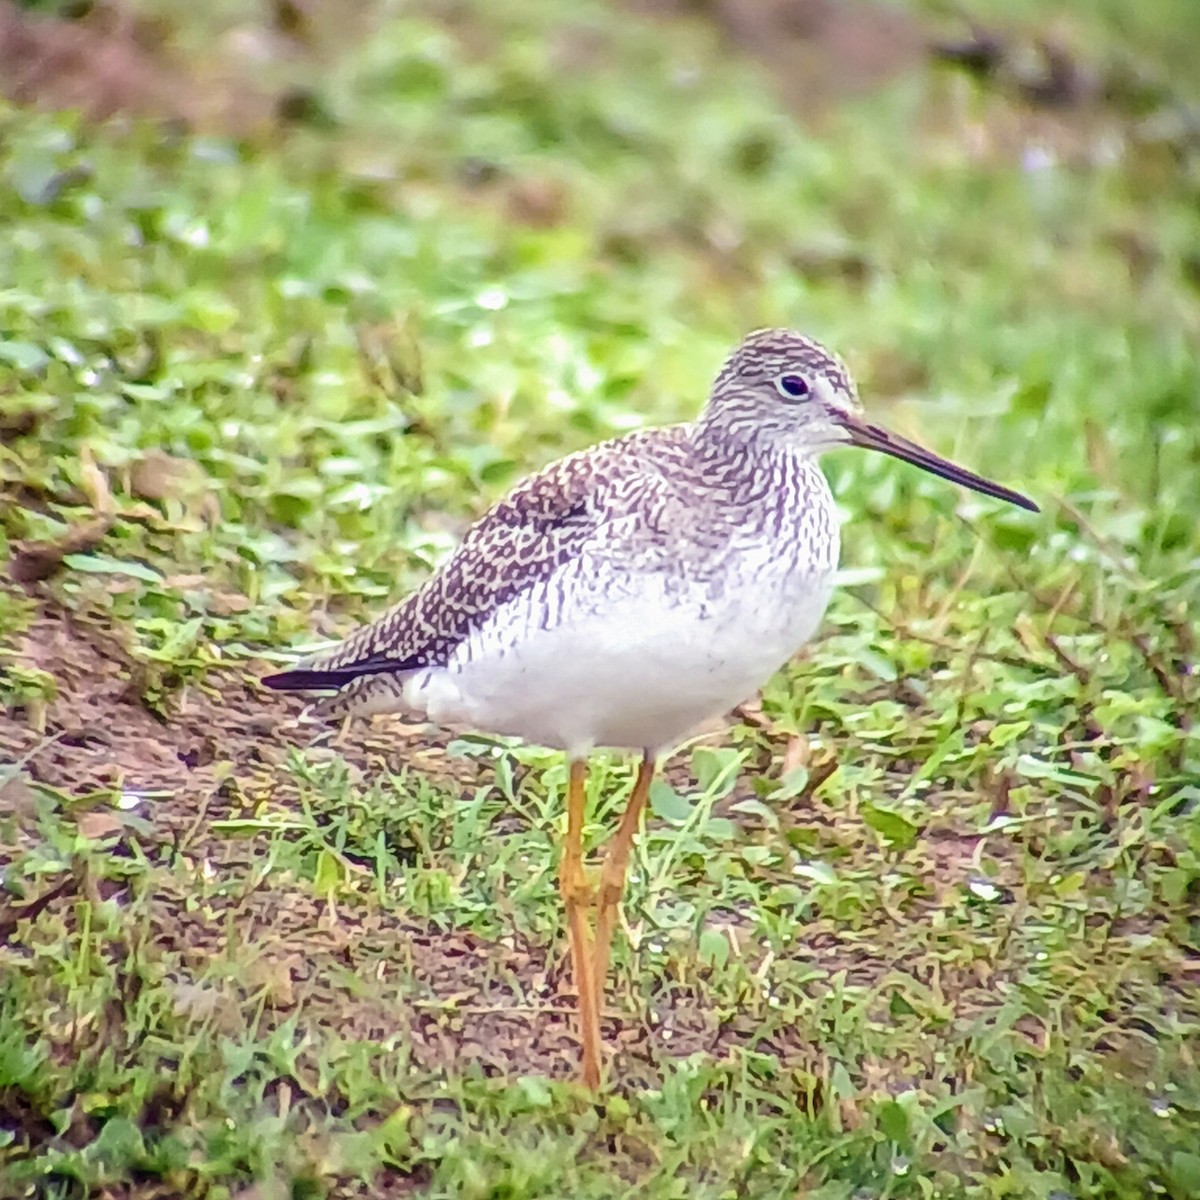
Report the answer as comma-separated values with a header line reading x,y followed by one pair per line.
x,y
626,594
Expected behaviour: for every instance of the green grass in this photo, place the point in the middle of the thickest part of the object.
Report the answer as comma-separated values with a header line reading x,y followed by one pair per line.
x,y
927,925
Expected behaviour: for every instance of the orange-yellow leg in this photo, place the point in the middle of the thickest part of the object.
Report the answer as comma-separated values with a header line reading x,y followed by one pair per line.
x,y
612,876
577,899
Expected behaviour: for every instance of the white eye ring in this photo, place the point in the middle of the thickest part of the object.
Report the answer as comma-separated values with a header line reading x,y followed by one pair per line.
x,y
792,387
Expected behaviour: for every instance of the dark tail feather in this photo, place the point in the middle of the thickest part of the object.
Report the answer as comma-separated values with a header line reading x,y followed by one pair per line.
x,y
309,681
313,679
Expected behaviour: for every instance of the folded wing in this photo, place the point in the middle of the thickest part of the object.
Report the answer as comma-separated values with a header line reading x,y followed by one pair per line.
x,y
544,522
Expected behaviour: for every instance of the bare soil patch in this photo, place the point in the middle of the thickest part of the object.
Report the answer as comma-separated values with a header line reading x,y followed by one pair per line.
x,y
104,63
817,51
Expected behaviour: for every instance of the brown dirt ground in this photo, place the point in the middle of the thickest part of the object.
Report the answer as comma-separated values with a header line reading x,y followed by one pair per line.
x,y
104,64
817,51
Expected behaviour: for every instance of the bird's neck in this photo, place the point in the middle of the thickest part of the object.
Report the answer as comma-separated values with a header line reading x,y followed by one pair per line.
x,y
758,469
749,449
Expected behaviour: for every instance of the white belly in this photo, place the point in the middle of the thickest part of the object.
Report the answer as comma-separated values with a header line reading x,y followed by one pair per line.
x,y
638,673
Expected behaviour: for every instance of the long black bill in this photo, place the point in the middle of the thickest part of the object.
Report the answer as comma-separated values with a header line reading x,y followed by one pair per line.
x,y
873,438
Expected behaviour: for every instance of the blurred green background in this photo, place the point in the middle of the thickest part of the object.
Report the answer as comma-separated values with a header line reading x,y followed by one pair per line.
x,y
291,292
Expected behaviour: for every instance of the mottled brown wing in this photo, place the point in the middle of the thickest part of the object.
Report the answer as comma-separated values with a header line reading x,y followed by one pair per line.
x,y
543,523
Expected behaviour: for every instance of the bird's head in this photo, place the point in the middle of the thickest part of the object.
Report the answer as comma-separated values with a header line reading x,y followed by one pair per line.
x,y
779,387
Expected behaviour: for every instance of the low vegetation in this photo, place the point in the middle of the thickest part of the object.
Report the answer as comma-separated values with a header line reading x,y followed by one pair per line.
x,y
922,920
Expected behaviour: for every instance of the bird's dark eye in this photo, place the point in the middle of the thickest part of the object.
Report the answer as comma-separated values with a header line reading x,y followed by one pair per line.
x,y
791,387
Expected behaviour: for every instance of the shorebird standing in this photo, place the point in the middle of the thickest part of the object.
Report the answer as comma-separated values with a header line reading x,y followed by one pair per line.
x,y
627,593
